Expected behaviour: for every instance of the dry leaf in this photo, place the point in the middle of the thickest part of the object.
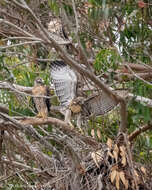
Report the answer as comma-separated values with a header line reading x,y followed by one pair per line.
x,y
123,155
117,180
123,150
135,172
127,184
115,155
93,133
97,157
99,134
123,161
110,154
109,143
143,170
113,175
124,181
114,167
115,152
93,155
116,148
122,177
137,176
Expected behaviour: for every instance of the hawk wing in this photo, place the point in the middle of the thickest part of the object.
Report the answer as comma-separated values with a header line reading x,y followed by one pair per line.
x,y
65,82
99,104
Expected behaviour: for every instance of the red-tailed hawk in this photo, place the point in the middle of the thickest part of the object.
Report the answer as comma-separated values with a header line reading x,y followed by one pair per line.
x,y
65,81
42,104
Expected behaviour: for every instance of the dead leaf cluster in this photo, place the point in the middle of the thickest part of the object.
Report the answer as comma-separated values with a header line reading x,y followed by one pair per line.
x,y
114,160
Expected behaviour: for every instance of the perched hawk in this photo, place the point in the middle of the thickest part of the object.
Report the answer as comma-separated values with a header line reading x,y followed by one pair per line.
x,y
57,31
65,81
42,104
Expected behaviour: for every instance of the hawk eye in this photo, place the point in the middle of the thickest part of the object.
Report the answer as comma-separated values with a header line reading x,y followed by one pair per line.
x,y
39,80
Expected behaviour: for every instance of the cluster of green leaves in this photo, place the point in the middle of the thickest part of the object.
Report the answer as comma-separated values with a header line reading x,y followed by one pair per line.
x,y
107,59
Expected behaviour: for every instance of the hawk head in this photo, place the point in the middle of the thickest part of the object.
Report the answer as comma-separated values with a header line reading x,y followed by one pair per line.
x,y
38,82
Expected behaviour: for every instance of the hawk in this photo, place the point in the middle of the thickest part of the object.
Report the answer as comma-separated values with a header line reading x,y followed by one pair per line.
x,y
57,31
42,104
66,82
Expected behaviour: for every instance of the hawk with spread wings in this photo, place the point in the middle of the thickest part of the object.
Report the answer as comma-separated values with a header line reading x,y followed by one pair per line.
x,y
42,104
65,81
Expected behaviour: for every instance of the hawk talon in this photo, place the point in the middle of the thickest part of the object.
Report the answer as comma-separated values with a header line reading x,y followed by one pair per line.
x,y
41,115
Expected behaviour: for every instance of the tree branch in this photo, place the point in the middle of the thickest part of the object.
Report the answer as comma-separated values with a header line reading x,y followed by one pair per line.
x,y
26,91
61,125
128,76
16,27
137,76
137,132
20,44
33,133
81,50
142,100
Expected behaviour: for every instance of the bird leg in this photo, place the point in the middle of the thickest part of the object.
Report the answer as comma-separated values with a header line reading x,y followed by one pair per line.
x,y
42,115
39,115
79,122
67,118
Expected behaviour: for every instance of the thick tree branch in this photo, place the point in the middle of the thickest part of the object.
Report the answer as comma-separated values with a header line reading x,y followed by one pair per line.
x,y
137,132
8,86
128,77
144,101
61,125
123,113
135,67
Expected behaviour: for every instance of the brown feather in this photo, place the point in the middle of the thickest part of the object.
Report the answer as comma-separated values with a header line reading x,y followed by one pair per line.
x,y
40,102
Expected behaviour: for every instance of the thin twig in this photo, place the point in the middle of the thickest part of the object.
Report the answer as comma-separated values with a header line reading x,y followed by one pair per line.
x,y
84,57
14,174
137,76
16,27
20,44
